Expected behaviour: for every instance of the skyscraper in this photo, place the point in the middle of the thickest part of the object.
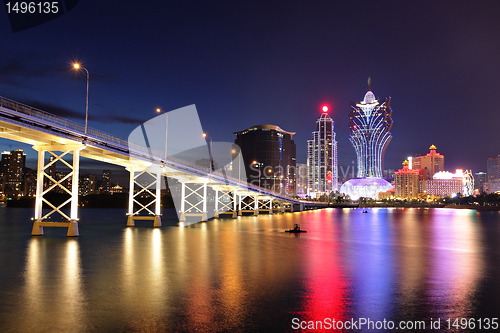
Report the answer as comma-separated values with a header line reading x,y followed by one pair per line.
x,y
480,178
493,169
370,124
322,157
269,154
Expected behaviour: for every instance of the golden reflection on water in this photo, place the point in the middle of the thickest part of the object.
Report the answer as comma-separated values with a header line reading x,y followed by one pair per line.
x,y
412,259
199,307
51,303
144,286
232,289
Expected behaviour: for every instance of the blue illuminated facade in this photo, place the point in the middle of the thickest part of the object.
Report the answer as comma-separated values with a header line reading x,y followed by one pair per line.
x,y
370,124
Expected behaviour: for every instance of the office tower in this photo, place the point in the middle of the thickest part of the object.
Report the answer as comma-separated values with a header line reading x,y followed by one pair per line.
x,y
480,178
493,169
370,123
269,154
322,157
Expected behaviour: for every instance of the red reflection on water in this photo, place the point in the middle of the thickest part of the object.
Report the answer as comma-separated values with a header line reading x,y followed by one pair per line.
x,y
326,294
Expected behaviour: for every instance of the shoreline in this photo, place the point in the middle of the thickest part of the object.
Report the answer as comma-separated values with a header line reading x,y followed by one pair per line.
x,y
476,207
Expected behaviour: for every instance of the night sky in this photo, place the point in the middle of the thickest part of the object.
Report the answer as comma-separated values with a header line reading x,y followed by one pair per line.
x,y
246,63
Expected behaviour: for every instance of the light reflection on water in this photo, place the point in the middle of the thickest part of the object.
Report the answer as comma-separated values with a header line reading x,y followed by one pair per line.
x,y
247,274
53,283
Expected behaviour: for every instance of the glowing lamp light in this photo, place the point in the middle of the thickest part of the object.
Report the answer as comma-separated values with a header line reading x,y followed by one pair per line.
x,y
324,108
76,66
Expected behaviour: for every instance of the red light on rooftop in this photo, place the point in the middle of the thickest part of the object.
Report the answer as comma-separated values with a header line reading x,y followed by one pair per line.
x,y
324,108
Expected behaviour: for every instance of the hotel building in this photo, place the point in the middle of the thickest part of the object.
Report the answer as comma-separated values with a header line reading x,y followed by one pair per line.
x,y
406,182
430,164
445,183
370,122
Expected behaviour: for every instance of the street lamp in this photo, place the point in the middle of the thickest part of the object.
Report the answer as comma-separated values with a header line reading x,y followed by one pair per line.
x,y
258,166
77,67
233,151
274,179
158,110
210,150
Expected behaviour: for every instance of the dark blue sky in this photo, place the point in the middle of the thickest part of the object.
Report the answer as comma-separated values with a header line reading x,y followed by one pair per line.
x,y
245,63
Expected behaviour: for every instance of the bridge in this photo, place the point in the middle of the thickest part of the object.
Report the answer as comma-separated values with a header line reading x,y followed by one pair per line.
x,y
55,136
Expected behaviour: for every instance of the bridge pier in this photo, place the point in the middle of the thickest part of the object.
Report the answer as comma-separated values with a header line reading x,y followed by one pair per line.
x,y
72,220
194,207
155,215
266,205
224,207
248,207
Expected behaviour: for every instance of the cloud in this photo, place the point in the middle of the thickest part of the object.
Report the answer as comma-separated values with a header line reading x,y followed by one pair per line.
x,y
71,114
54,109
124,120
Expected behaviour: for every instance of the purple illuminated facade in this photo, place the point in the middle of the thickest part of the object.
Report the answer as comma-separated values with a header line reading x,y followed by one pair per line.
x,y
365,187
370,123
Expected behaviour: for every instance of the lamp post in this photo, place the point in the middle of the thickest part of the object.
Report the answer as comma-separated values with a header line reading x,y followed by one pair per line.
x,y
258,166
158,110
210,150
77,66
233,151
274,179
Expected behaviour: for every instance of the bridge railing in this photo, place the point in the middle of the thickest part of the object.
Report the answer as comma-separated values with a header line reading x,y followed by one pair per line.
x,y
63,122
91,132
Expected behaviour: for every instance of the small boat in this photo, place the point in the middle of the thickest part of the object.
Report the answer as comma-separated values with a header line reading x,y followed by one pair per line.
x,y
295,229
365,211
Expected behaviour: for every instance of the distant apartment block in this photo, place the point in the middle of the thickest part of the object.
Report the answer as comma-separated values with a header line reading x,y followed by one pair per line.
x,y
12,168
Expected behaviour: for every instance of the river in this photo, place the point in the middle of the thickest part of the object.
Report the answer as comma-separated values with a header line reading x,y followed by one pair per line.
x,y
247,275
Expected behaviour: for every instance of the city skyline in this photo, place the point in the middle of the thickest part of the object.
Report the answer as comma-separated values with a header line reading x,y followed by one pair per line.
x,y
432,73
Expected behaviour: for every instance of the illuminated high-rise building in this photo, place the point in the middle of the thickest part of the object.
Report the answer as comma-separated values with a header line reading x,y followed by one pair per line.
x,y
480,178
269,153
322,157
430,164
370,123
406,182
493,169
12,173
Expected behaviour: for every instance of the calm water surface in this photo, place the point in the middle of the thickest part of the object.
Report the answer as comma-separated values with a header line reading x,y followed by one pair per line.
x,y
247,275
